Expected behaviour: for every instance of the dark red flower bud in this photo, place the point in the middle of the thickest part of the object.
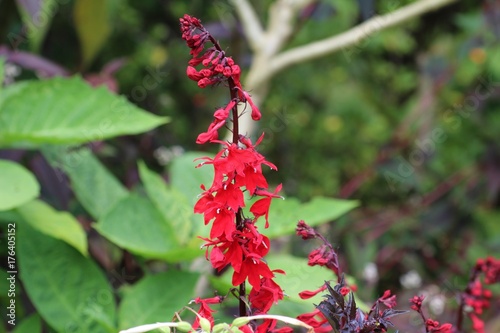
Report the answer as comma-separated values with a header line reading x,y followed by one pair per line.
x,y
193,74
305,231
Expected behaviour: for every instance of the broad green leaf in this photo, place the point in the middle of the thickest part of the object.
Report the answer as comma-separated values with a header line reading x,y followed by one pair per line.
x,y
92,25
60,225
186,178
31,324
171,204
284,214
67,111
135,224
17,185
36,16
156,298
67,289
94,186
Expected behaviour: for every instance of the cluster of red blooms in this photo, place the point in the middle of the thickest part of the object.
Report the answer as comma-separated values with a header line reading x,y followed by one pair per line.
x,y
234,239
326,256
217,68
476,298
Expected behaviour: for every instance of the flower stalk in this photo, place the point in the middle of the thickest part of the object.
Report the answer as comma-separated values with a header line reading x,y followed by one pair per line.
x,y
234,238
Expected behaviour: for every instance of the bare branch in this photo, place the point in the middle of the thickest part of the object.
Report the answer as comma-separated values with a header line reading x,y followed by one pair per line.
x,y
352,36
280,26
251,24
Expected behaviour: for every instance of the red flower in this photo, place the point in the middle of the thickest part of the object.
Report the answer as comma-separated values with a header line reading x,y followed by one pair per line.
x,y
252,268
223,223
345,290
324,256
230,196
261,207
306,294
477,323
269,325
417,302
205,311
387,299
316,320
269,293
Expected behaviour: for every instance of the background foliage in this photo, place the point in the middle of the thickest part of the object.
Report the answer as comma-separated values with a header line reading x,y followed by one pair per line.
x,y
406,123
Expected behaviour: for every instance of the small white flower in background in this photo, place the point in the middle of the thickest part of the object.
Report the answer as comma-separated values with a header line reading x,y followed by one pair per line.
x,y
165,155
11,71
370,273
437,304
411,280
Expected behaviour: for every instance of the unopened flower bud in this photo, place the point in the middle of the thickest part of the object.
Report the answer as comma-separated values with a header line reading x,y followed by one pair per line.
x,y
205,324
220,328
184,326
240,321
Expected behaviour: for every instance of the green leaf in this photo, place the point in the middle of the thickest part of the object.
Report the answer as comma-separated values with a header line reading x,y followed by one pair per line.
x,y
156,298
60,225
186,178
171,204
95,187
284,214
68,290
135,224
17,185
92,25
32,324
67,111
36,16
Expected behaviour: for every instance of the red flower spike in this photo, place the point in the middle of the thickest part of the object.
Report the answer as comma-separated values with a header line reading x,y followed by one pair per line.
x,y
234,240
